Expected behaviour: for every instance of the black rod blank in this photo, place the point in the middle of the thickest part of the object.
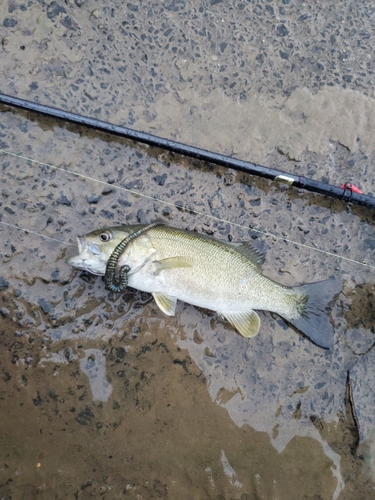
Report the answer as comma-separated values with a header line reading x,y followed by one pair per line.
x,y
346,193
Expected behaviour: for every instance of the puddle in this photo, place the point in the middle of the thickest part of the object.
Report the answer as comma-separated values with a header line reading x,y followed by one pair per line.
x,y
101,394
107,358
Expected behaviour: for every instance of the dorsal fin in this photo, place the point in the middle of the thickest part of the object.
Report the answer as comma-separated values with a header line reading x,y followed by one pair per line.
x,y
250,252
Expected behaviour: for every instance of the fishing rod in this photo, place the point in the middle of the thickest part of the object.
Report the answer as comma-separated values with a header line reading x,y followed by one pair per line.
x,y
346,192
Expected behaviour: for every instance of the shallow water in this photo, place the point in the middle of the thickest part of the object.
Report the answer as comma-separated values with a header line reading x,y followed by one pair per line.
x,y
103,395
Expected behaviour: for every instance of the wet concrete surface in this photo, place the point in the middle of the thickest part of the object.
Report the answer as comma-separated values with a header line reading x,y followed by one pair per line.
x,y
102,396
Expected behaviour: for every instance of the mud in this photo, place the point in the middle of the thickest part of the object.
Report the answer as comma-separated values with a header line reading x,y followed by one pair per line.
x,y
158,435
102,396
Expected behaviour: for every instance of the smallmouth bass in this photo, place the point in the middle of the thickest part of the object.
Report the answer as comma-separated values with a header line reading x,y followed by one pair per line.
x,y
174,264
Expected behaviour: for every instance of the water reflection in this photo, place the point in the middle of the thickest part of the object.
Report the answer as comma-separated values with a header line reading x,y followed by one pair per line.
x,y
229,471
94,366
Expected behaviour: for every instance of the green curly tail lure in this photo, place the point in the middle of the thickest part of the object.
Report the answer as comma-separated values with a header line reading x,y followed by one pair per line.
x,y
119,284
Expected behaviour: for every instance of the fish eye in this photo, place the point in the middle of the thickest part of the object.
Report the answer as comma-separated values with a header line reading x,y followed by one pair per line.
x,y
105,236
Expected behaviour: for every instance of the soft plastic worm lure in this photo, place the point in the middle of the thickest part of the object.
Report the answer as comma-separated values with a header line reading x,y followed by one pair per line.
x,y
119,284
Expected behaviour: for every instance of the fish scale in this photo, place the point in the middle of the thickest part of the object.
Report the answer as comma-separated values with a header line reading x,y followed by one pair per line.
x,y
223,263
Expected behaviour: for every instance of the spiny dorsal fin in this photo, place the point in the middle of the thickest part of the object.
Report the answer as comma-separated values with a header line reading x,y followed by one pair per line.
x,y
246,323
167,303
250,252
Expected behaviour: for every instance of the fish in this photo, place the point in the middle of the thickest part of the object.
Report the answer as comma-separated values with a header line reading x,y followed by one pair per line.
x,y
176,264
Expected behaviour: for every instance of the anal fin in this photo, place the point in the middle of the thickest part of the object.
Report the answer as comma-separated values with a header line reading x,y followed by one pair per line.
x,y
166,303
246,323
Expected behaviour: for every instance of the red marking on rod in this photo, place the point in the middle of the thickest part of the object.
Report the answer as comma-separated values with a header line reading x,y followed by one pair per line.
x,y
352,187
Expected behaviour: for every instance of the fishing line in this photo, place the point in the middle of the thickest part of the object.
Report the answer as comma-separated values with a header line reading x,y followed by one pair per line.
x,y
346,192
212,217
37,234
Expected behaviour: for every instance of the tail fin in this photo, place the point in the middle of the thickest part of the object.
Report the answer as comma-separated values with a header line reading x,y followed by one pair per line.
x,y
313,321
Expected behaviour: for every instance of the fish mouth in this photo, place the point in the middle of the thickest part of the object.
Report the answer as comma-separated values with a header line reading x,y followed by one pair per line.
x,y
88,258
85,245
89,265
76,260
80,243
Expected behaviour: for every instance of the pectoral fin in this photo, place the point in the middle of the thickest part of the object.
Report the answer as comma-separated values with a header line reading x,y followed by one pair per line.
x,y
166,303
246,323
172,262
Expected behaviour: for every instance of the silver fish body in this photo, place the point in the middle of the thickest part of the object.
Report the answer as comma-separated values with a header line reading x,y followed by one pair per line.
x,y
175,264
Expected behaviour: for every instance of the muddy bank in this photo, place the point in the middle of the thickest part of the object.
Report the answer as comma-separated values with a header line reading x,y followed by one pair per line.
x,y
158,435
